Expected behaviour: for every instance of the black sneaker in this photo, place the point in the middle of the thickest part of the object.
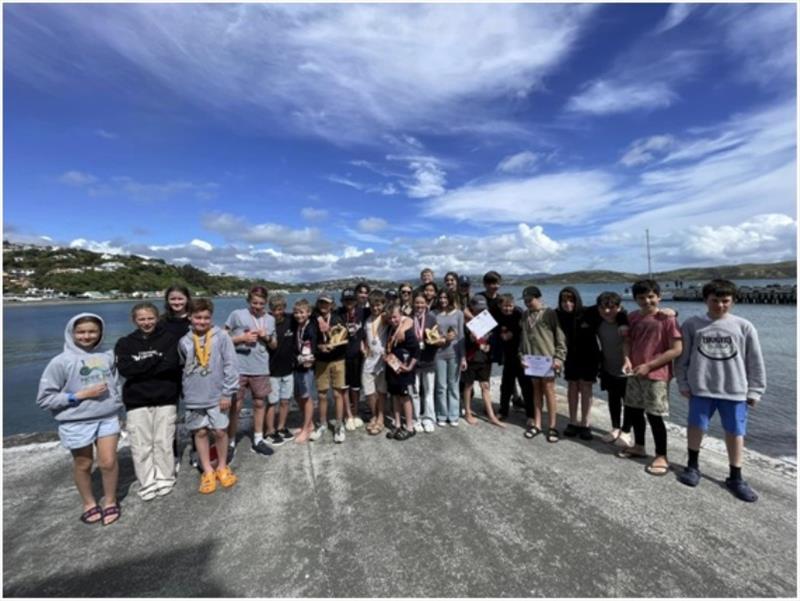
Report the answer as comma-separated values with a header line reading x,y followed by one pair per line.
x,y
274,439
262,448
231,454
286,434
571,430
586,433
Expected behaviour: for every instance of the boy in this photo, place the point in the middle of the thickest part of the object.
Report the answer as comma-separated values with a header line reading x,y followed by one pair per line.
x,y
653,341
281,366
373,375
463,295
721,368
209,382
251,330
541,335
613,364
509,331
425,277
353,316
491,292
479,368
304,343
362,294
329,368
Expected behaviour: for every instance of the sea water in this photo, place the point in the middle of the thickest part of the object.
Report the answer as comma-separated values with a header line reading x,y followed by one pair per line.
x,y
33,334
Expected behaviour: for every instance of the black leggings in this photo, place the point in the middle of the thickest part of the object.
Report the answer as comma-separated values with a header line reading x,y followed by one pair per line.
x,y
657,426
615,387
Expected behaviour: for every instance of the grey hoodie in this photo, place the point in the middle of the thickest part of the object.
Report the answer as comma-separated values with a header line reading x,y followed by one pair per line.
x,y
76,369
205,391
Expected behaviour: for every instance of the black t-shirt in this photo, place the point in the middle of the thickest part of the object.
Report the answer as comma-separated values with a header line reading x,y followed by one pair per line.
x,y
510,323
283,358
338,352
355,329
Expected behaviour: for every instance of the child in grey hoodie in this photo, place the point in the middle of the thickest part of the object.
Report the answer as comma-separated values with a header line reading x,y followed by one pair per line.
x,y
210,379
80,387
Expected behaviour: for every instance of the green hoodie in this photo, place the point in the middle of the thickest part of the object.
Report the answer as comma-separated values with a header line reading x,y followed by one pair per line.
x,y
544,336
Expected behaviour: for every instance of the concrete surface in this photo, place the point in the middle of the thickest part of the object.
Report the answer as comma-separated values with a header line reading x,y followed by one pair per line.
x,y
463,512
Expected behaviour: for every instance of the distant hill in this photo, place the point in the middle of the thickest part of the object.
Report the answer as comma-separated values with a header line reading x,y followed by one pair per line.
x,y
74,271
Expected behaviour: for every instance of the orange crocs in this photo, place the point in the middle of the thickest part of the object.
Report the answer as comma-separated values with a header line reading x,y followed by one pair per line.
x,y
226,477
208,483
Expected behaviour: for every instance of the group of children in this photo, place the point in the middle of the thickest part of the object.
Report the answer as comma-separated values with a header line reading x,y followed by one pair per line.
x,y
412,345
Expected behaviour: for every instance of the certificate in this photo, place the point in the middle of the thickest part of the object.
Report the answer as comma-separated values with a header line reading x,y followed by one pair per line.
x,y
393,362
481,324
539,366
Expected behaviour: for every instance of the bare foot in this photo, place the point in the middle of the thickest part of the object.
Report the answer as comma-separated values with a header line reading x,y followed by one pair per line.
x,y
471,419
302,436
493,420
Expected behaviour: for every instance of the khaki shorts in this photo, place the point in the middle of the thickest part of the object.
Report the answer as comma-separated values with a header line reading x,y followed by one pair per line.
x,y
259,387
329,375
650,395
372,383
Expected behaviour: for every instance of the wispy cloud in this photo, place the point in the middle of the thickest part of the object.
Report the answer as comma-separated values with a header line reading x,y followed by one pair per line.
x,y
137,190
77,178
645,150
372,224
676,14
238,229
312,214
108,135
337,71
522,162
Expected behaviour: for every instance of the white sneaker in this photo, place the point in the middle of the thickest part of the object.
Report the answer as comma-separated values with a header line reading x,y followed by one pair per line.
x,y
349,424
358,422
624,440
338,435
441,423
428,427
317,433
418,428
454,424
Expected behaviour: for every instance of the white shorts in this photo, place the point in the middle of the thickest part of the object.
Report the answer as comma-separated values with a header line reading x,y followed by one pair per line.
x,y
197,419
372,383
79,434
282,388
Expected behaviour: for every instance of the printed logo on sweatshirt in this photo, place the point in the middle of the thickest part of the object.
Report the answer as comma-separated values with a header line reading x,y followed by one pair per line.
x,y
94,370
717,347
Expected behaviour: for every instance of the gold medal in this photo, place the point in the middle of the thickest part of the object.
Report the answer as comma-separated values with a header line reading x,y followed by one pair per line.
x,y
202,353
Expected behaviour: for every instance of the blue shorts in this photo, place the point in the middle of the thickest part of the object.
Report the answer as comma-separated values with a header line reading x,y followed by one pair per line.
x,y
304,384
732,414
79,434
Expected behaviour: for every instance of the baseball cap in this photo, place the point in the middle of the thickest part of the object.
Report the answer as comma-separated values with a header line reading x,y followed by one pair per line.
x,y
531,292
325,297
478,302
391,295
463,280
348,294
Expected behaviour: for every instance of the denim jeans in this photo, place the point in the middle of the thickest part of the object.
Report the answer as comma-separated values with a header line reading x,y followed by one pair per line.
x,y
422,395
447,401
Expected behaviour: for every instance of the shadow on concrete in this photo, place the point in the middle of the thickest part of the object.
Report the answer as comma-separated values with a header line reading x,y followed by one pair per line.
x,y
180,572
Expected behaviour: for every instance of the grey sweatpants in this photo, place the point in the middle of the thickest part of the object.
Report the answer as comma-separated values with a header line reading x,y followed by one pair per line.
x,y
152,430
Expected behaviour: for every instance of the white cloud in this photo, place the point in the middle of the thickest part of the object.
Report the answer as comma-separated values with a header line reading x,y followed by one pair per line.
x,y
77,178
238,229
312,214
372,224
202,244
676,14
522,162
108,135
99,247
606,97
564,198
645,150
428,179
343,72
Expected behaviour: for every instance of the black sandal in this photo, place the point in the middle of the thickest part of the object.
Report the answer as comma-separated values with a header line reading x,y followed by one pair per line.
x,y
552,435
532,431
404,434
114,511
90,513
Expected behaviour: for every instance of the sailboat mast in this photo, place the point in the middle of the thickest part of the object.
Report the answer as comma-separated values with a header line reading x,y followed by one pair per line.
x,y
649,266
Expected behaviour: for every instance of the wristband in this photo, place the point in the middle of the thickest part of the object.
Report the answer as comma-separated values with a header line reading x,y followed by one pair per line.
x,y
72,399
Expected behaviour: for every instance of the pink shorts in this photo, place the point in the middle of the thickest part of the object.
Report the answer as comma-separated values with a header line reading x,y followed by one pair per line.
x,y
258,385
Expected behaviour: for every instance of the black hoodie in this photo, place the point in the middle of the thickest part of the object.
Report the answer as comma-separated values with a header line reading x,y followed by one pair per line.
x,y
151,368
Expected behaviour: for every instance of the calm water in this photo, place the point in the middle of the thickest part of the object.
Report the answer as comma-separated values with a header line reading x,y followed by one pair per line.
x,y
34,334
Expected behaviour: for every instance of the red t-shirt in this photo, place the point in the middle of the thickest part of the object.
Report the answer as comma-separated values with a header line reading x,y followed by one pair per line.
x,y
651,335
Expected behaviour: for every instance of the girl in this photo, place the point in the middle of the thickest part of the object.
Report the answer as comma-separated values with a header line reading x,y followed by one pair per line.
x,y
373,374
402,352
406,299
430,291
451,283
449,359
148,360
177,306
80,387
541,335
425,374
583,358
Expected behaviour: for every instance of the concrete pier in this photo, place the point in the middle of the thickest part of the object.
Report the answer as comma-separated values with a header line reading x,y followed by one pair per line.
x,y
466,511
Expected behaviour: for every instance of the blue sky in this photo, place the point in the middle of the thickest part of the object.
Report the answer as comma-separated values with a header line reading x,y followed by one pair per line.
x,y
303,142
